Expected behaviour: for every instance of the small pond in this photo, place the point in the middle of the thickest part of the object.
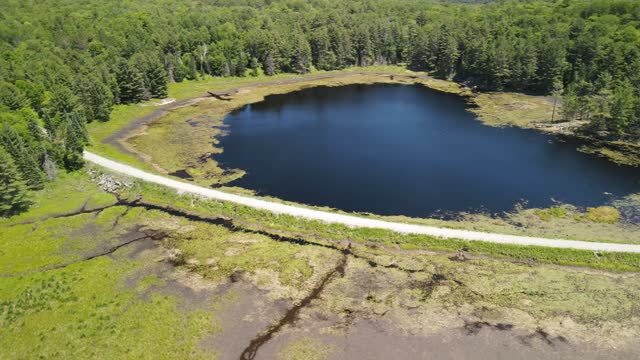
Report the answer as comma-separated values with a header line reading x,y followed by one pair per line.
x,y
406,150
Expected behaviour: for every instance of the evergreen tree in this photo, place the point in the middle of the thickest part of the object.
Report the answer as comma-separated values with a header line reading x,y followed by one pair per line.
x,y
76,139
571,104
446,55
269,65
23,156
179,70
158,81
301,57
35,130
556,93
50,127
191,71
95,98
622,109
362,46
240,66
130,83
13,190
323,56
254,66
63,100
36,94
341,46
11,97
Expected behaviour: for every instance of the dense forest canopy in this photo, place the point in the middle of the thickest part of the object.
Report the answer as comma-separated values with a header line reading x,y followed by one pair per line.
x,y
65,63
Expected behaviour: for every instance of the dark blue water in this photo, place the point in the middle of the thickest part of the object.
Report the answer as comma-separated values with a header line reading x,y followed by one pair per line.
x,y
409,150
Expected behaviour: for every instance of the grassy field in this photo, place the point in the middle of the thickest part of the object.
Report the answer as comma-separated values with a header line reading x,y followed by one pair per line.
x,y
54,303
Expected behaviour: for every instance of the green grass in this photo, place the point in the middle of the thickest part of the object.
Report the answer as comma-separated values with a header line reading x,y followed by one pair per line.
x,y
82,312
216,253
68,193
85,310
121,116
552,212
315,229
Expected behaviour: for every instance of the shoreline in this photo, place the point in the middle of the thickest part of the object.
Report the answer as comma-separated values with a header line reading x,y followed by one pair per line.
x,y
193,143
617,151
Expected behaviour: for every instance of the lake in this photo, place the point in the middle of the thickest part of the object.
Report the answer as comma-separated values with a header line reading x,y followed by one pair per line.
x,y
406,150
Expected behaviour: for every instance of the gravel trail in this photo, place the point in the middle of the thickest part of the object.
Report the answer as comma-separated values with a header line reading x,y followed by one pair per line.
x,y
354,221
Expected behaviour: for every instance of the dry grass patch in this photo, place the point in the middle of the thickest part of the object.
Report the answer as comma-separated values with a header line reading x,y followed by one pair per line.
x,y
603,214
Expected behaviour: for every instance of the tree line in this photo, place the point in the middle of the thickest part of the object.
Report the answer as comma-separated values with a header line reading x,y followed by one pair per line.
x,y
65,63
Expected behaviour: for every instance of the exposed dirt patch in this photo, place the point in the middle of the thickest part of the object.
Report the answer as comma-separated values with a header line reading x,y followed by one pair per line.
x,y
373,339
291,316
244,311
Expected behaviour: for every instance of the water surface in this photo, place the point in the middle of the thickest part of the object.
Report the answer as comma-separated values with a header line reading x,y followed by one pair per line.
x,y
406,150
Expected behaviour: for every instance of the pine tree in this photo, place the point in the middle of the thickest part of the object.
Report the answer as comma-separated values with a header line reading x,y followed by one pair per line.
x,y
571,104
301,59
218,64
11,97
158,81
622,109
269,65
191,71
130,83
34,129
254,66
50,126
62,100
34,92
101,101
446,54
241,66
23,156
323,57
362,46
13,190
95,97
76,139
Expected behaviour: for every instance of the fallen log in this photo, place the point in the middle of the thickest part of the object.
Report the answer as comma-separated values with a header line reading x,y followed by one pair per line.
x,y
219,96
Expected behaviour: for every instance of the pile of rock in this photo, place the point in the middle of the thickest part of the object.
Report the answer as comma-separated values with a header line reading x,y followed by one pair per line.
x,y
108,183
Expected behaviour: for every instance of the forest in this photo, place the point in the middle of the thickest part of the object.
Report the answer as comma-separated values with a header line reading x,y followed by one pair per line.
x,y
66,63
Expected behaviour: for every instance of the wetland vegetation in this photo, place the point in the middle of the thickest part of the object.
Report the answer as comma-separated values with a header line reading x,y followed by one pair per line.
x,y
97,265
160,275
